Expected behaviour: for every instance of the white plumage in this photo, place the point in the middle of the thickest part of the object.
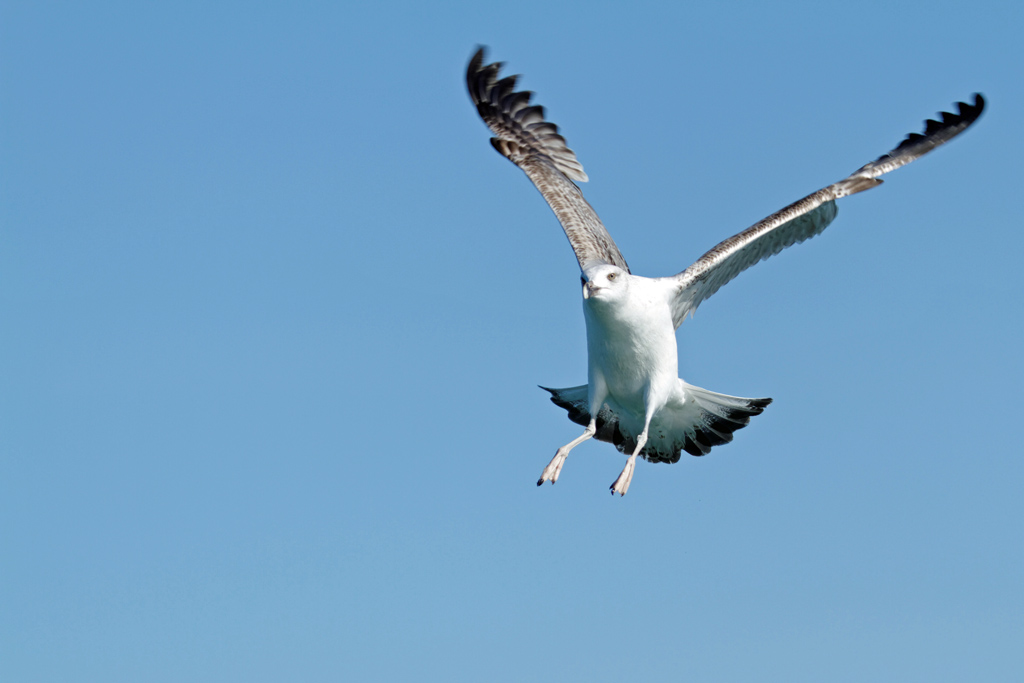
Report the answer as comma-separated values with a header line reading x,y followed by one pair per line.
x,y
634,397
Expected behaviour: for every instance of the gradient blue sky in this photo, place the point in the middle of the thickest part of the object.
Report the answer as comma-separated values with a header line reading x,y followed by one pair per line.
x,y
273,313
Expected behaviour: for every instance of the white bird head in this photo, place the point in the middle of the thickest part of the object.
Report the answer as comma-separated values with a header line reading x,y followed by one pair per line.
x,y
605,283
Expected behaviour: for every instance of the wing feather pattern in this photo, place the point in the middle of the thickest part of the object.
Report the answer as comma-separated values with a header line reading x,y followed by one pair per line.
x,y
533,144
809,216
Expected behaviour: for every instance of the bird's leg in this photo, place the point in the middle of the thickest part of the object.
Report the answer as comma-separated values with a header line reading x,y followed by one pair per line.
x,y
621,485
554,467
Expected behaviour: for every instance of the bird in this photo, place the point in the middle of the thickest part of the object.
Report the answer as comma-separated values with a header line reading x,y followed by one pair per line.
x,y
634,397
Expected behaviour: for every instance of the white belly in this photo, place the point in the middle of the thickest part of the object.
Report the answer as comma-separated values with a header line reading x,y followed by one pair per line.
x,y
632,352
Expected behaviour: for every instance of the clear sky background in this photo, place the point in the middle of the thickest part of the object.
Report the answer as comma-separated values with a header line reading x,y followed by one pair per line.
x,y
273,315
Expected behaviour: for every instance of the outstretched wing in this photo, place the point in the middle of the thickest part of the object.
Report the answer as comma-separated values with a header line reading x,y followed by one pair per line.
x,y
809,216
534,145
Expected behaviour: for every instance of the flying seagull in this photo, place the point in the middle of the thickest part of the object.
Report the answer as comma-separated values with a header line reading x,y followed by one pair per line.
x,y
634,397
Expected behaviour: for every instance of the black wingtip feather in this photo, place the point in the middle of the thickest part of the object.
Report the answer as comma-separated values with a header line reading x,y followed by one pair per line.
x,y
966,115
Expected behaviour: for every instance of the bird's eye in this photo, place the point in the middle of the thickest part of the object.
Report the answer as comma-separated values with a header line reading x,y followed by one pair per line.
x,y
611,276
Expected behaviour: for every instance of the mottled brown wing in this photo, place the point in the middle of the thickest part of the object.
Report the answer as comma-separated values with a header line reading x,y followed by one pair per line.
x,y
809,216
534,145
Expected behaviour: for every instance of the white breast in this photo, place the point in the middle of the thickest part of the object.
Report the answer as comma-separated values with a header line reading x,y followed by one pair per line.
x,y
632,344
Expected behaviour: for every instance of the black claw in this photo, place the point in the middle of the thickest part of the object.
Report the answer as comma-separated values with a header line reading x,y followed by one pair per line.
x,y
539,482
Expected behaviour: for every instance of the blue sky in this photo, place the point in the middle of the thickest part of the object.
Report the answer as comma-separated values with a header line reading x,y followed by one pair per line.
x,y
273,315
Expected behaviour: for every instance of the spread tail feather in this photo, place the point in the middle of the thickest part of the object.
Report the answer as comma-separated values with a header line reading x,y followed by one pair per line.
x,y
705,419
